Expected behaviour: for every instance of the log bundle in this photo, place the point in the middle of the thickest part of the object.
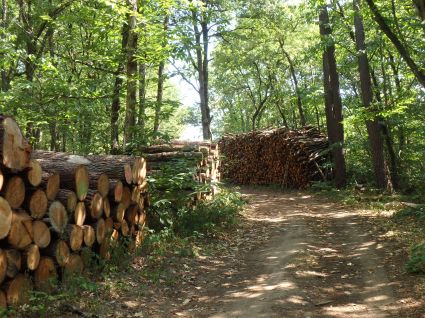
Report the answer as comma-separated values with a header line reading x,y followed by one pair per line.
x,y
56,206
202,156
292,158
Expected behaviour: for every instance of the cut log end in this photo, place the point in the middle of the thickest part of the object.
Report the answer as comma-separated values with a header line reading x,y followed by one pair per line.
x,y
80,214
41,234
35,173
38,204
32,257
58,216
75,266
3,265
15,150
53,184
89,235
15,192
18,290
103,185
5,218
81,182
100,230
76,236
45,276
96,206
14,263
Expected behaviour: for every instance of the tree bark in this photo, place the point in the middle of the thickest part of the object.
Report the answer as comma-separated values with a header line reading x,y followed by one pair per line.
x,y
131,100
333,104
373,127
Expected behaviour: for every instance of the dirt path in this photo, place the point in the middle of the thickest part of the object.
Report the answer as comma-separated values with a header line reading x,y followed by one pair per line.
x,y
319,260
293,255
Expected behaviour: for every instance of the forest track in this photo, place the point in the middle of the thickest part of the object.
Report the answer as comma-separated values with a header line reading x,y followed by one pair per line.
x,y
321,259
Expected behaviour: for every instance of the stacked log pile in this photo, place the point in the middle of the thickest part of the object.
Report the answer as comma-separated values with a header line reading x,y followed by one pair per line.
x,y
54,207
203,157
292,158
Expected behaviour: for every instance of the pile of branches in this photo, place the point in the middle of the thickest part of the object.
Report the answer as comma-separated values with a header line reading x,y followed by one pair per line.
x,y
292,158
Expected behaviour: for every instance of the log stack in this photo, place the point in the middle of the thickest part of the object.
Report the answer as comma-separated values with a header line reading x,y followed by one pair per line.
x,y
54,206
202,156
292,158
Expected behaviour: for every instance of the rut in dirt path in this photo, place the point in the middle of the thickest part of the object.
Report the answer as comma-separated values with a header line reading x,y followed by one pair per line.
x,y
320,261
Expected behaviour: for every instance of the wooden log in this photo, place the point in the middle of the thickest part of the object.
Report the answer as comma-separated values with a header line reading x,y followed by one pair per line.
x,y
21,231
73,268
41,234
58,217
3,300
75,236
14,192
59,250
94,201
125,230
69,199
18,290
115,190
5,218
89,235
100,182
2,180
51,184
46,276
106,208
100,230
138,170
15,151
31,257
80,214
126,197
36,203
131,214
14,262
109,225
119,212
3,265
34,173
115,167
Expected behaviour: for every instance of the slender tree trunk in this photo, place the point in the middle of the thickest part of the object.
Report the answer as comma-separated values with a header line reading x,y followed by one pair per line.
x,y
295,82
420,8
403,51
115,106
4,78
131,100
161,79
373,126
333,104
202,69
142,96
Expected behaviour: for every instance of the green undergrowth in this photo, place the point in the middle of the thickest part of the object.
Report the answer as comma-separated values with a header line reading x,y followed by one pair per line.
x,y
404,217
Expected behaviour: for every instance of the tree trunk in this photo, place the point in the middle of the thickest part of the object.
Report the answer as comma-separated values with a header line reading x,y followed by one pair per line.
x,y
416,70
161,79
115,107
142,96
131,100
202,69
333,104
373,127
295,81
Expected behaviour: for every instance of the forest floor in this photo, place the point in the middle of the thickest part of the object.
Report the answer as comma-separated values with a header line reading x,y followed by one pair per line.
x,y
294,254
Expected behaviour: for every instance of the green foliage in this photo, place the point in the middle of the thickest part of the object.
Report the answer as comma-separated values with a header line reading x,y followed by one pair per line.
x,y
416,263
206,217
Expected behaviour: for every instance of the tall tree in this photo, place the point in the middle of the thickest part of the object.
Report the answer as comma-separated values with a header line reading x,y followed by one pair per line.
x,y
373,126
131,100
333,104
